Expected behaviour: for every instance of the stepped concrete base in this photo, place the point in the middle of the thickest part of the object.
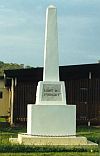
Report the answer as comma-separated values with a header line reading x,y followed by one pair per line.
x,y
26,139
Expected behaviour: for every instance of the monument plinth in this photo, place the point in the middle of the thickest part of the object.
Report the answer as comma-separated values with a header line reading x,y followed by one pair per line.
x,y
51,121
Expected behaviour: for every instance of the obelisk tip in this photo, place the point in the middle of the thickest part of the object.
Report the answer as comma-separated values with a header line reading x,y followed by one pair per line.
x,y
51,7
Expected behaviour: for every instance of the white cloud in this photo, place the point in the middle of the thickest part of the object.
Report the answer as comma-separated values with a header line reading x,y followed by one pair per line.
x,y
11,40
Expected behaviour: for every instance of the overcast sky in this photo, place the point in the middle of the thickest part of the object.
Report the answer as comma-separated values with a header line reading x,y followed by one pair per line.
x,y
22,26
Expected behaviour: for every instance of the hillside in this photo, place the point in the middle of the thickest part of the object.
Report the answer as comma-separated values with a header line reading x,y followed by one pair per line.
x,y
6,66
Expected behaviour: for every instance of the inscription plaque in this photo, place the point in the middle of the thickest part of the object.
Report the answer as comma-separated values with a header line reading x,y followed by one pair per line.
x,y
51,92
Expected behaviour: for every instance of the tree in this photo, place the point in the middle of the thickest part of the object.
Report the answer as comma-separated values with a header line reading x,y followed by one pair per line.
x,y
6,66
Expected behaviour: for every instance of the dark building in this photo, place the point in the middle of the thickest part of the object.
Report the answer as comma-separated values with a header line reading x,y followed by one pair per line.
x,y
82,89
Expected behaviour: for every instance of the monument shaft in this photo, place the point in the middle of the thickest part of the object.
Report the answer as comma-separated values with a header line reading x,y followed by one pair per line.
x,y
51,60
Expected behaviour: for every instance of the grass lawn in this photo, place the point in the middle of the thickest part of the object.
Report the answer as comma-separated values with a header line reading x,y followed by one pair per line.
x,y
51,154
6,149
92,133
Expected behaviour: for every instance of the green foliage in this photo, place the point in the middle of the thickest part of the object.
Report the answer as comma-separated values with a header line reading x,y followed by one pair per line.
x,y
6,66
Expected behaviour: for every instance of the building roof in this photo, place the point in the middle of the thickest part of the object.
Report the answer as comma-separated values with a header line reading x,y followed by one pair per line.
x,y
66,72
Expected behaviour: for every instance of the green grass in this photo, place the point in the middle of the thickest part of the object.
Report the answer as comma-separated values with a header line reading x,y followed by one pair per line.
x,y
92,133
2,120
51,154
6,149
7,132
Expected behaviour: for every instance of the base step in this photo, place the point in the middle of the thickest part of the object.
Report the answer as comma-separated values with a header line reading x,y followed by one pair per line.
x,y
26,139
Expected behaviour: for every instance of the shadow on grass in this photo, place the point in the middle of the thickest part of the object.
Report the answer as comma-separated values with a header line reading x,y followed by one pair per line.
x,y
4,127
28,149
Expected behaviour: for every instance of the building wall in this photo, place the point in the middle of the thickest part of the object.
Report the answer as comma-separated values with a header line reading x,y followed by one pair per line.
x,y
4,99
24,94
85,94
82,89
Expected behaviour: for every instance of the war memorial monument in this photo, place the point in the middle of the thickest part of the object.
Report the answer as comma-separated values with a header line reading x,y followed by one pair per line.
x,y
51,121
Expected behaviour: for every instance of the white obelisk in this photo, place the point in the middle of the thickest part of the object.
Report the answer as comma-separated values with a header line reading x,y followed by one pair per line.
x,y
51,59
51,64
50,115
50,121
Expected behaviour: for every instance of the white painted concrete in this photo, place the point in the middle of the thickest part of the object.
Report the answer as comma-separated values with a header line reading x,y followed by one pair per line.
x,y
69,142
39,140
50,116
51,120
51,59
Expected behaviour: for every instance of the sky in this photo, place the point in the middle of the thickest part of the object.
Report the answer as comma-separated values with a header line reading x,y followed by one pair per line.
x,y
22,30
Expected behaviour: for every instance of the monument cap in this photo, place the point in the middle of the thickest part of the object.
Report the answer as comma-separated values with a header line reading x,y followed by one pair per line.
x,y
51,7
